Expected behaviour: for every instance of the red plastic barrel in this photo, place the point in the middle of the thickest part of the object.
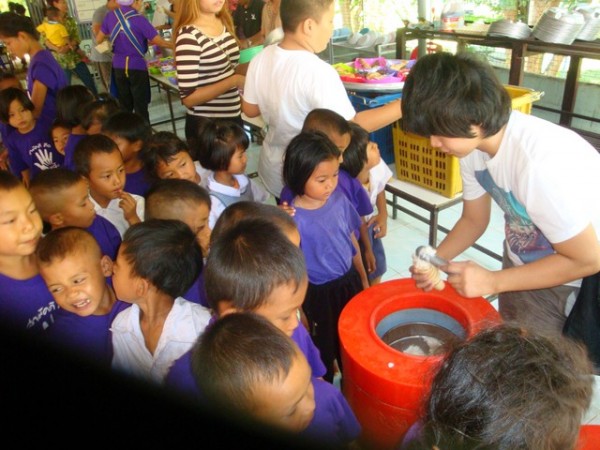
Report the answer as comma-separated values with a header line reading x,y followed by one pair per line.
x,y
385,387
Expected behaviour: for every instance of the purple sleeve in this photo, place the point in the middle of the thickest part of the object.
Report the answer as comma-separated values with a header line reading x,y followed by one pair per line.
x,y
286,195
42,71
357,194
334,421
146,28
108,23
313,356
17,165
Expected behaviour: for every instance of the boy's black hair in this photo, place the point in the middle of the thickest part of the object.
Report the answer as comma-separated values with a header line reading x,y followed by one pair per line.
x,y
171,192
62,242
218,143
8,181
355,156
247,209
11,24
101,109
237,353
161,146
88,146
70,102
55,179
446,94
293,12
163,252
501,374
53,13
129,126
248,261
326,121
9,95
58,123
303,154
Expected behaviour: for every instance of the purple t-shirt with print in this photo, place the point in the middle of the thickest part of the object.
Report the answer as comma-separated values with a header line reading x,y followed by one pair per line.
x,y
26,304
106,235
44,68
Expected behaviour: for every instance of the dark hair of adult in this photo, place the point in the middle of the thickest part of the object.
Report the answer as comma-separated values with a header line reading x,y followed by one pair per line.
x,y
62,242
303,154
170,192
8,181
293,12
70,102
164,252
248,261
161,146
355,156
246,209
446,94
235,354
9,95
127,125
88,146
218,143
11,24
327,121
507,388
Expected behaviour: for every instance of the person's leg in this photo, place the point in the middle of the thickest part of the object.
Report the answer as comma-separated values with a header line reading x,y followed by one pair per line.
x,y
140,89
83,72
69,74
104,71
123,91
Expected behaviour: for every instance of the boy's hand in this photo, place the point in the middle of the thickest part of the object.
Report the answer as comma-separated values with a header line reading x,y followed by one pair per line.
x,y
380,228
370,262
287,208
128,205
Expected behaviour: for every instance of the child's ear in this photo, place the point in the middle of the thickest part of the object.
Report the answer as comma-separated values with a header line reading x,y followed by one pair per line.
x,y
307,26
56,220
225,307
107,266
137,145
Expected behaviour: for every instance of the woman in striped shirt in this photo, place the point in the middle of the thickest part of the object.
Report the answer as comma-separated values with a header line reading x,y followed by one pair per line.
x,y
206,56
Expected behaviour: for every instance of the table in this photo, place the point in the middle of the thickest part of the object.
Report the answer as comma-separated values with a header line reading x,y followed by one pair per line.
x,y
169,88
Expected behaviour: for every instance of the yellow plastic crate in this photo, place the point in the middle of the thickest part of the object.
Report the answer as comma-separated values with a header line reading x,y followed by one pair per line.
x,y
419,163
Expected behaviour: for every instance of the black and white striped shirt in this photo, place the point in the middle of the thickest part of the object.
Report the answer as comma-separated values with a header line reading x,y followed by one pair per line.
x,y
201,61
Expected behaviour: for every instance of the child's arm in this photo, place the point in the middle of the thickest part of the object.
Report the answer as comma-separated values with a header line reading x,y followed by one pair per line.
x,y
381,218
358,264
370,263
25,176
250,109
129,206
38,97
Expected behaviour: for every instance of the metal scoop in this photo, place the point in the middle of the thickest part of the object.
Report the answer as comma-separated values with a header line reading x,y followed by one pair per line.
x,y
425,253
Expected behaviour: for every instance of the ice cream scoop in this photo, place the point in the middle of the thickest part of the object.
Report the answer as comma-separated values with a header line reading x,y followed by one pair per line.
x,y
427,253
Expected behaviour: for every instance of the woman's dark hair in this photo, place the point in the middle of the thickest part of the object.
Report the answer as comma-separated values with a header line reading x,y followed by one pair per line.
x,y
164,252
9,95
302,155
446,94
11,24
71,102
355,156
218,143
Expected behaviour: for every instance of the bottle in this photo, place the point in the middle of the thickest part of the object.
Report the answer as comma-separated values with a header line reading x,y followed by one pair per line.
x,y
453,15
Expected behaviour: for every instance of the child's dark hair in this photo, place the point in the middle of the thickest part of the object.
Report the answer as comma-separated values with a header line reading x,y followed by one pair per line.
x,y
161,146
293,12
8,181
53,13
163,252
327,121
99,110
9,95
246,209
446,94
248,261
237,353
170,193
303,154
88,146
496,390
58,123
62,242
46,187
218,143
129,126
355,156
70,102
11,24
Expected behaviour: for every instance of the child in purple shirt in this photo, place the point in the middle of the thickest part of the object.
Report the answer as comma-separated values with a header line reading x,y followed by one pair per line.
x,y
62,199
45,77
255,265
75,271
25,302
247,366
30,147
130,132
